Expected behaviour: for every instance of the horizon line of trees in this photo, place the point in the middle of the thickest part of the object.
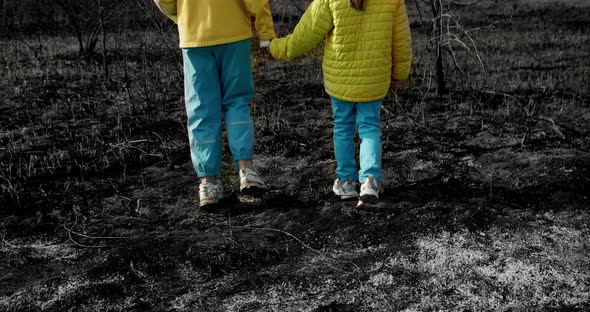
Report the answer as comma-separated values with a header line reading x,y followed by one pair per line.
x,y
92,21
32,17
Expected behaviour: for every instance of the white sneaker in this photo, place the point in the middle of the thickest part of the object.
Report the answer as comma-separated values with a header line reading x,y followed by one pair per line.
x,y
210,194
370,191
251,183
345,190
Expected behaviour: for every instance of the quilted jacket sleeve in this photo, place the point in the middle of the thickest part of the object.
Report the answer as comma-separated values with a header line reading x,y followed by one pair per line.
x,y
402,43
260,9
168,7
315,24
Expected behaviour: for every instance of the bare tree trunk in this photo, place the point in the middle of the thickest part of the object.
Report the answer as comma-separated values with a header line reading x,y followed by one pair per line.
x,y
3,23
438,28
78,31
104,41
73,21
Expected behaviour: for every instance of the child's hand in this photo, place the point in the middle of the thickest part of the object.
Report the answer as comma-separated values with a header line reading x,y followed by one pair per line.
x,y
264,48
399,85
264,44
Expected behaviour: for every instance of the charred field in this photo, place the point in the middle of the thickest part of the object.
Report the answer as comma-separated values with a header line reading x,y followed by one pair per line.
x,y
487,188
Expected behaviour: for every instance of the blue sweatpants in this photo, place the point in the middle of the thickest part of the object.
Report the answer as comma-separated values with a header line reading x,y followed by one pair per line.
x,y
218,82
349,116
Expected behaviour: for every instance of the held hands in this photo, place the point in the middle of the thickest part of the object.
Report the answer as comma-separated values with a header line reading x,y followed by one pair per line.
x,y
264,48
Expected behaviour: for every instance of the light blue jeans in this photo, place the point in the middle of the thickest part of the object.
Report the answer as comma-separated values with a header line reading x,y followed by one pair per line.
x,y
349,116
218,82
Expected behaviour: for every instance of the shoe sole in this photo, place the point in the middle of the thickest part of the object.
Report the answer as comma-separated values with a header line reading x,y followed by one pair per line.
x,y
209,207
208,203
367,200
347,197
343,197
253,190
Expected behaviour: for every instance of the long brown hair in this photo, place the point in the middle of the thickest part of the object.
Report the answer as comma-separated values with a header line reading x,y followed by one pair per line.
x,y
357,4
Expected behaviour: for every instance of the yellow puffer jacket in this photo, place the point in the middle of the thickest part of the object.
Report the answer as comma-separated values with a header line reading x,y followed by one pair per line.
x,y
364,49
212,22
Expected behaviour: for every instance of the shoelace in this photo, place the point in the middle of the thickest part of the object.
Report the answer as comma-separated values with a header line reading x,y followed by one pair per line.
x,y
347,186
212,189
372,185
250,175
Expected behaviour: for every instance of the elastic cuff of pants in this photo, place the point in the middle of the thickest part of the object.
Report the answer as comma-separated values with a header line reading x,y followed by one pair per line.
x,y
198,143
237,123
363,179
205,174
243,157
344,179
237,164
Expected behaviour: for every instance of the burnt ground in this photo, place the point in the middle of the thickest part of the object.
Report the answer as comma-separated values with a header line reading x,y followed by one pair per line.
x,y
486,202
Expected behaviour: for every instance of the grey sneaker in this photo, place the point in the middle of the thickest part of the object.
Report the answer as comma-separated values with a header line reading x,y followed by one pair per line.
x,y
346,189
370,191
210,194
251,183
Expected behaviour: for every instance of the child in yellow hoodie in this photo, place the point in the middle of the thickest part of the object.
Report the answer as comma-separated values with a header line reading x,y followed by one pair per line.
x,y
367,46
215,41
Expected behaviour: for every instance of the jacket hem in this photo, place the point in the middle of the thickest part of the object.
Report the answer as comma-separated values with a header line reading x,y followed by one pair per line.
x,y
355,99
198,44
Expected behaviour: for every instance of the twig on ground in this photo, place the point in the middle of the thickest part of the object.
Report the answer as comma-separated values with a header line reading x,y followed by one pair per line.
x,y
231,233
100,237
7,243
71,231
80,244
137,272
554,126
319,253
503,94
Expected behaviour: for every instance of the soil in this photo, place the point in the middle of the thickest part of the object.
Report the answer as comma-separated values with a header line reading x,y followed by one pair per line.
x,y
483,209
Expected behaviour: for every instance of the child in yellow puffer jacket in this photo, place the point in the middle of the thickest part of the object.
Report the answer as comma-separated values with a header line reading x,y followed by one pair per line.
x,y
215,41
367,45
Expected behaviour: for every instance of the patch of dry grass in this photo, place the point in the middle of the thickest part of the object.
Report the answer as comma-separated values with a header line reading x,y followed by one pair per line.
x,y
457,232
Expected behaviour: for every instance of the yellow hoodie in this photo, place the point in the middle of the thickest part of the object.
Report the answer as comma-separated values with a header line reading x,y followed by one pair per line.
x,y
211,22
364,49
